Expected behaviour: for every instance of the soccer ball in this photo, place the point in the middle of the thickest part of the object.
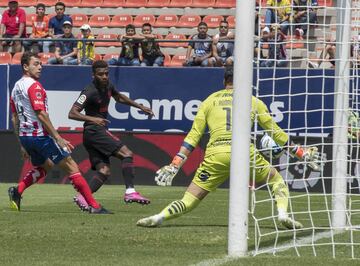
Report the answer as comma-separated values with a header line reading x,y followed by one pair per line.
x,y
269,148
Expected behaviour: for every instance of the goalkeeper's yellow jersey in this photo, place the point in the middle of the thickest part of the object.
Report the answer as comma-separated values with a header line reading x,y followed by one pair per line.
x,y
215,113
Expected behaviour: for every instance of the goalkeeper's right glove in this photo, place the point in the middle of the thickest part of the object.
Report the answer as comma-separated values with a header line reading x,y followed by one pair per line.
x,y
310,156
166,174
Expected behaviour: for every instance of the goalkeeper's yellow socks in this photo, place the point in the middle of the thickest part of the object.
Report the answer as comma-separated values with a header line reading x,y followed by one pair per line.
x,y
280,191
180,207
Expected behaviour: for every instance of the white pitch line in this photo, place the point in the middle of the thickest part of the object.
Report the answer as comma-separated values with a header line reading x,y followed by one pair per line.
x,y
288,245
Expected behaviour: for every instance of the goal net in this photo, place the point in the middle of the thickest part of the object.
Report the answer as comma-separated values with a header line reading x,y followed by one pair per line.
x,y
307,73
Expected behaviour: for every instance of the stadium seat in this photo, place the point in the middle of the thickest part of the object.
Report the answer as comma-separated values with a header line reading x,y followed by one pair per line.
x,y
24,3
135,3
144,18
325,2
98,57
113,3
16,59
213,21
293,43
231,21
177,60
79,19
91,3
167,20
44,57
50,3
189,21
167,60
225,3
99,20
5,58
172,36
109,36
70,3
180,3
203,3
4,2
29,19
107,57
158,3
121,20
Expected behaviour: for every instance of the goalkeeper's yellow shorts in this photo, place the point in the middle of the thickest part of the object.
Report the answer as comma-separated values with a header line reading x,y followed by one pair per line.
x,y
215,169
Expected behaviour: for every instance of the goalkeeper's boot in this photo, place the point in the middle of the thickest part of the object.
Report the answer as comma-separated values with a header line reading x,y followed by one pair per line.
x,y
100,210
151,221
15,198
81,202
136,197
290,223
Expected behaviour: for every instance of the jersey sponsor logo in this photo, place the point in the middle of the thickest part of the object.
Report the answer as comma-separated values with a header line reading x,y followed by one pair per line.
x,y
81,99
38,95
204,175
38,102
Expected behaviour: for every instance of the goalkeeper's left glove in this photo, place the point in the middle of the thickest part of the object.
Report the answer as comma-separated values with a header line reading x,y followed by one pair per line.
x,y
310,156
166,174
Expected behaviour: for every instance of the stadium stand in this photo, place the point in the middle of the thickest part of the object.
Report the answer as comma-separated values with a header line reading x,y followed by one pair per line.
x,y
167,60
29,18
16,59
79,19
49,2
177,60
158,3
110,36
168,20
213,21
70,3
99,20
121,20
231,20
5,58
110,56
189,21
144,18
203,3
135,3
27,3
44,57
180,3
91,3
225,3
172,36
113,3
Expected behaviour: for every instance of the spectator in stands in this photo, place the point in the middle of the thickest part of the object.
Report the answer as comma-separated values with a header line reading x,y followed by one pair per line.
x,y
129,55
40,29
355,52
328,50
12,26
276,48
56,22
86,53
202,50
304,15
278,12
65,51
222,51
151,54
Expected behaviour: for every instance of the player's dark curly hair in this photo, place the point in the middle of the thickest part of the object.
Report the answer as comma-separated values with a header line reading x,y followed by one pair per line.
x,y
26,57
99,64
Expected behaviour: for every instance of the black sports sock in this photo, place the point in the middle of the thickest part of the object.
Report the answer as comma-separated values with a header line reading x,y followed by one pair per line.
x,y
128,171
97,181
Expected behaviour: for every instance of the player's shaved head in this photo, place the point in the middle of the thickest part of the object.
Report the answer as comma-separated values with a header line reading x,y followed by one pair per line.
x,y
99,64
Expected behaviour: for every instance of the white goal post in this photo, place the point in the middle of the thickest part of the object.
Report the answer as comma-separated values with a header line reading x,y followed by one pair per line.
x,y
316,101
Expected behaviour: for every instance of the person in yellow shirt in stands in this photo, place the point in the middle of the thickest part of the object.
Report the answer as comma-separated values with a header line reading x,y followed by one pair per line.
x,y
86,54
278,12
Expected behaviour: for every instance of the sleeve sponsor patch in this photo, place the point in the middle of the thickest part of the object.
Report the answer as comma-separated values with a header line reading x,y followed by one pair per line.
x,y
81,99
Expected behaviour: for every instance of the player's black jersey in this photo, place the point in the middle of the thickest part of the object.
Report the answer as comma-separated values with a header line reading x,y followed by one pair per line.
x,y
95,101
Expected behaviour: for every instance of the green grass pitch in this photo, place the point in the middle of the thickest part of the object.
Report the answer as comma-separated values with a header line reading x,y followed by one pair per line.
x,y
50,230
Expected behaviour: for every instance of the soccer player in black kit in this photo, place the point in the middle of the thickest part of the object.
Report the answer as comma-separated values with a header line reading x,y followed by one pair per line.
x,y
98,141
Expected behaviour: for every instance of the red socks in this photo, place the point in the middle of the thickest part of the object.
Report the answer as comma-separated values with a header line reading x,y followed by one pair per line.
x,y
82,186
31,178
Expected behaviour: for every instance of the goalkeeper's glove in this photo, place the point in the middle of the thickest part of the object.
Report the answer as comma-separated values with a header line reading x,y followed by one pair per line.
x,y
310,156
166,174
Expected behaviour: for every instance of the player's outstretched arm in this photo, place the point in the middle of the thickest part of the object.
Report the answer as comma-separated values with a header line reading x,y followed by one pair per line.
x,y
121,98
165,175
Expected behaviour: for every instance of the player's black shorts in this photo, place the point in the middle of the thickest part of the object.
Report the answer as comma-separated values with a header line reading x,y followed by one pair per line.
x,y
100,144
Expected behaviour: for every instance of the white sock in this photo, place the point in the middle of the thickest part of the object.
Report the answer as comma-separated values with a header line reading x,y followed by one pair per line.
x,y
282,214
130,190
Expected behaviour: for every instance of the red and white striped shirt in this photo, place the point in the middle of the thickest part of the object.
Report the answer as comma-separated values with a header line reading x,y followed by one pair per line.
x,y
27,97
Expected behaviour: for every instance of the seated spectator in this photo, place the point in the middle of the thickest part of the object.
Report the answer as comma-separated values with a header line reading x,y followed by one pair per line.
x,y
65,51
56,22
151,54
223,51
303,15
277,51
40,29
129,55
355,52
202,50
86,54
12,26
328,50
278,12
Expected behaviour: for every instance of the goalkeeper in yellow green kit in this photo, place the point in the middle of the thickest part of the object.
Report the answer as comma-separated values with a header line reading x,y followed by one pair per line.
x,y
215,113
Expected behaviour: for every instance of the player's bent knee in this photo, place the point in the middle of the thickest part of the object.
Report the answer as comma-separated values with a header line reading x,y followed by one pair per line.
x,y
69,165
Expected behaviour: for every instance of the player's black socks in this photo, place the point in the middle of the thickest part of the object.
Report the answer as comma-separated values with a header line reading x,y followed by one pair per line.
x,y
97,181
128,171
